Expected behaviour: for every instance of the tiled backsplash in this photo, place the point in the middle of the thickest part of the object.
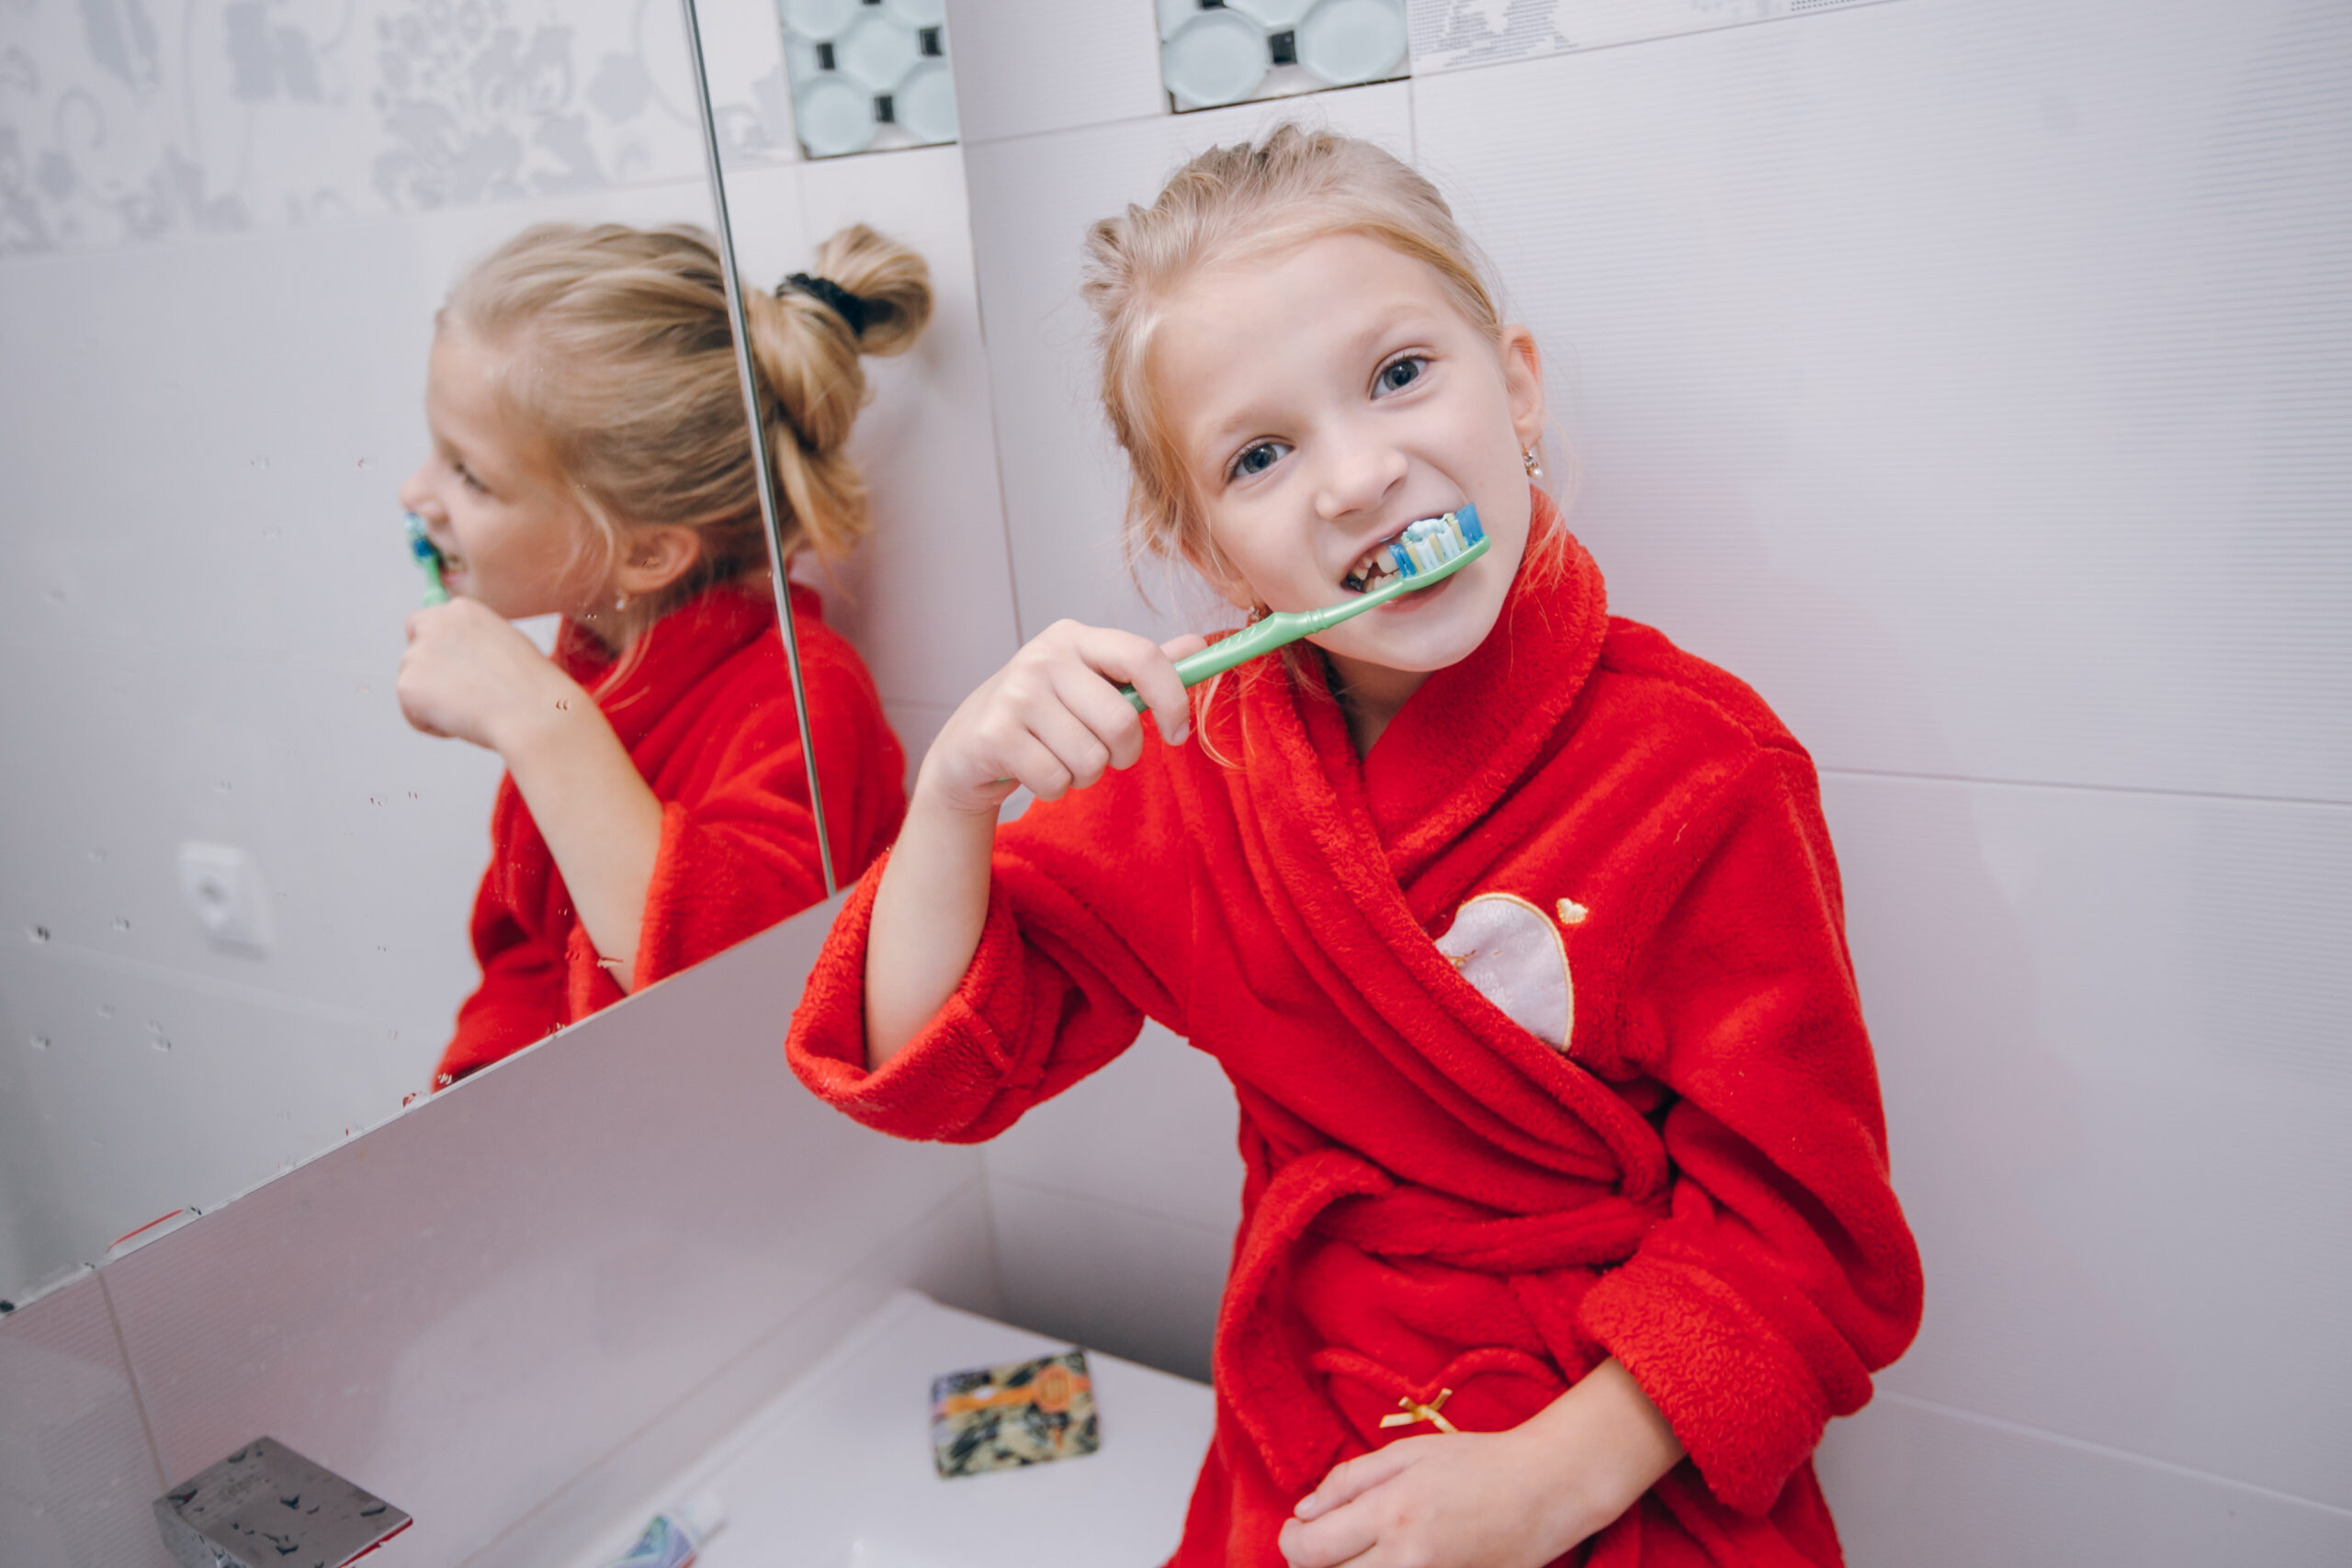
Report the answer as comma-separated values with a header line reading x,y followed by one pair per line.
x,y
130,120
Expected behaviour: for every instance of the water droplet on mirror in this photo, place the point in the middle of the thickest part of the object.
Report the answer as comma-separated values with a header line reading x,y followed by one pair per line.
x,y
37,933
98,857
366,464
223,785
258,463
106,1009
122,923
160,1043
40,1042
56,596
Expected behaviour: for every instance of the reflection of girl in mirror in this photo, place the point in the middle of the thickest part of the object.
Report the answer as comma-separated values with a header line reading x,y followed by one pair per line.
x,y
590,459
1566,1216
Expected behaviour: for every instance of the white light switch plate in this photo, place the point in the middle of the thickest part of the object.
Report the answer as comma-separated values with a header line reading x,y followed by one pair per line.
x,y
224,890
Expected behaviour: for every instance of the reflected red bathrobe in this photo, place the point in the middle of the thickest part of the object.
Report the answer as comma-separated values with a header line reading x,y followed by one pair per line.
x,y
706,715
1581,833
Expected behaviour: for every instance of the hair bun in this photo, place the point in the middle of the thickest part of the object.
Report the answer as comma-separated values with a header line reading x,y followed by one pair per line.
x,y
890,283
841,301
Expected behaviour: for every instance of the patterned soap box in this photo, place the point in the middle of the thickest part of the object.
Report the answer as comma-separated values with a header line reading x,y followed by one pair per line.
x,y
1026,1413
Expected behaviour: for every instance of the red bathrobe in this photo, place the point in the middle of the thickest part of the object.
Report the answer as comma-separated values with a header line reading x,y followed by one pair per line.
x,y
707,714
1547,1049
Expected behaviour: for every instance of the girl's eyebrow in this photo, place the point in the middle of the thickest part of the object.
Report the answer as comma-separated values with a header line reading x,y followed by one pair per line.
x,y
1400,318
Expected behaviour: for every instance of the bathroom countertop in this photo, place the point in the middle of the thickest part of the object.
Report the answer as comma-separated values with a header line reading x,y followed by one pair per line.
x,y
837,1472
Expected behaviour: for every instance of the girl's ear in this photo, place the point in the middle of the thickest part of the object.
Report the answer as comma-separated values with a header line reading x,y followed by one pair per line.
x,y
1523,384
656,556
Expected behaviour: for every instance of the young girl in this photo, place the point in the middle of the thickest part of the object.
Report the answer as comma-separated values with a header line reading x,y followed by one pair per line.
x,y
1567,1217
590,458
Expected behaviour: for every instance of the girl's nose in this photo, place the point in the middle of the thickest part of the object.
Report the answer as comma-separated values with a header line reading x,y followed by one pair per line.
x,y
1359,470
416,496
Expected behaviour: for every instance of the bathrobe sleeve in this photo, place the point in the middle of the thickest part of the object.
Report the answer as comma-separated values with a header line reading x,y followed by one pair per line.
x,y
1783,1274
519,1001
738,841
1087,933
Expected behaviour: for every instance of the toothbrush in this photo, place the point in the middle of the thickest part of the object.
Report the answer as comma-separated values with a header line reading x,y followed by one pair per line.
x,y
428,559
1428,550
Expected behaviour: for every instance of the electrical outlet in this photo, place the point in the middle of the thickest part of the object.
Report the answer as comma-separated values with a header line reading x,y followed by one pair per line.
x,y
224,890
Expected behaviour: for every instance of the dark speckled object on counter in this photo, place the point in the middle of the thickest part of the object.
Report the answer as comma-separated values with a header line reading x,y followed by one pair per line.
x,y
267,1506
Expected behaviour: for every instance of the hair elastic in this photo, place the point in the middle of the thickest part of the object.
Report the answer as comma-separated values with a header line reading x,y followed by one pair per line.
x,y
841,301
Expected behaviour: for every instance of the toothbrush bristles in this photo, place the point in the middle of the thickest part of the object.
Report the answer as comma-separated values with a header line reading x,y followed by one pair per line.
x,y
1429,544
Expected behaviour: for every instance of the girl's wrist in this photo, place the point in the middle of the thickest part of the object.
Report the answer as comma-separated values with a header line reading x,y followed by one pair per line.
x,y
543,717
933,798
1602,1445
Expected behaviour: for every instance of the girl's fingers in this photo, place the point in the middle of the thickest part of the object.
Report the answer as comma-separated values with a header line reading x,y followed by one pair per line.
x,y
1085,753
1029,762
1144,665
1348,1481
1097,704
1344,1536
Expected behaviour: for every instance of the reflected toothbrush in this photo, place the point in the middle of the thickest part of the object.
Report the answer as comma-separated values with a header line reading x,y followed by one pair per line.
x,y
428,560
1427,552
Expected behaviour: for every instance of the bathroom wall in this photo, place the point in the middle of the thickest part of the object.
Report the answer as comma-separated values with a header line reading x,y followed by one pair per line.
x,y
224,229
1971,378
516,1312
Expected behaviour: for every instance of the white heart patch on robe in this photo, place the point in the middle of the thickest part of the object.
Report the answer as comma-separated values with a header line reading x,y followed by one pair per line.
x,y
1512,953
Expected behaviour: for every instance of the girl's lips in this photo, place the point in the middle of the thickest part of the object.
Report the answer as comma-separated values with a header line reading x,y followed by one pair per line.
x,y
1404,603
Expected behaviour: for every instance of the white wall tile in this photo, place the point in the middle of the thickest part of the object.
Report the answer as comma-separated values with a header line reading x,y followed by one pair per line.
x,y
76,1472
1065,484
1052,65
1449,35
135,125
1154,1131
470,1307
929,600
155,1093
2111,1030
917,725
1967,376
1914,1486
1125,1280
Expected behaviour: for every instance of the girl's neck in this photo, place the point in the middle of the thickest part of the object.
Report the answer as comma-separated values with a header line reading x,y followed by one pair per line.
x,y
1369,694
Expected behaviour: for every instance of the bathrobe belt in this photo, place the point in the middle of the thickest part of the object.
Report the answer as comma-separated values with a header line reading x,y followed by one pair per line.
x,y
1342,1196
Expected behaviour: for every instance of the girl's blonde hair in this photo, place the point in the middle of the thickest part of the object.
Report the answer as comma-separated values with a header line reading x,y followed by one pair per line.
x,y
1235,203
617,350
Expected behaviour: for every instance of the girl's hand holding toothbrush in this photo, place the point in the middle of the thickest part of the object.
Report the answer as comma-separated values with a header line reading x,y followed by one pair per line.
x,y
1054,720
469,675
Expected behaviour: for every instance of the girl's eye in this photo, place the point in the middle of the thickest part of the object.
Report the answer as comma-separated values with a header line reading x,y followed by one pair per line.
x,y
466,477
1399,374
1257,459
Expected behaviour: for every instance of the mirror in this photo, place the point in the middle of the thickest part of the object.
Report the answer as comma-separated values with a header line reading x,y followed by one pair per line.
x,y
237,883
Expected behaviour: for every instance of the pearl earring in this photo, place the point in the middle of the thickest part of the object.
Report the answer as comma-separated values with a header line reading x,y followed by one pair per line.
x,y
1535,464
621,603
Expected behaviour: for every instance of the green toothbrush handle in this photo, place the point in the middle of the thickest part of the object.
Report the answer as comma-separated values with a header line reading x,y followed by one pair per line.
x,y
1286,627
1221,656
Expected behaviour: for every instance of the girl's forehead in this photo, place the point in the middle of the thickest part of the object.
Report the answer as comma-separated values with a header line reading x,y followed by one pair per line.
x,y
1245,328
1335,267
